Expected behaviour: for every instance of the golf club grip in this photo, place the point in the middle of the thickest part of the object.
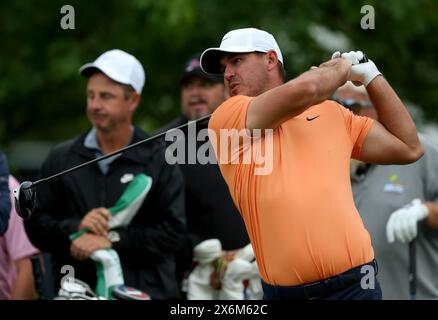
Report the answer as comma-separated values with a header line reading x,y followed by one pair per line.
x,y
364,59
412,270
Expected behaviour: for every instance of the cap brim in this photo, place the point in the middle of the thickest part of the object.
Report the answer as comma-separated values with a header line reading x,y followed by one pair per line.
x,y
201,74
88,69
211,58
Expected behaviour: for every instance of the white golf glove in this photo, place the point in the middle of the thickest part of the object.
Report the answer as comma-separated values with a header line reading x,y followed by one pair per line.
x,y
402,224
361,73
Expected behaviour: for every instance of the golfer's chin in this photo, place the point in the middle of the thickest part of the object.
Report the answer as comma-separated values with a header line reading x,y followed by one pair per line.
x,y
239,90
234,92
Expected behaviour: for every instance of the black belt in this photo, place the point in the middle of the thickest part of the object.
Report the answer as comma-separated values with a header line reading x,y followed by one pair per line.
x,y
320,289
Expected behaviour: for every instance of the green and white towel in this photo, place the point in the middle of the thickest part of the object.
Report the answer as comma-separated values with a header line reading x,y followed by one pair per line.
x,y
109,270
131,200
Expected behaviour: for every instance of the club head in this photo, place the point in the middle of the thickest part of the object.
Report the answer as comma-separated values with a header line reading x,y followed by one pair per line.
x,y
25,199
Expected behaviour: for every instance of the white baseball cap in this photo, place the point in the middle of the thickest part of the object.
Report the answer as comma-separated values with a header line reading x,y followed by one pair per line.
x,y
239,40
119,66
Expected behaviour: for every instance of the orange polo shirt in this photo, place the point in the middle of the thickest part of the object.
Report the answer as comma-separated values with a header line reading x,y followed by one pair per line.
x,y
293,189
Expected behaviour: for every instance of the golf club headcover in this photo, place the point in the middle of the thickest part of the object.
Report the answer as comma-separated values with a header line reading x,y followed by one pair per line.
x,y
198,282
207,251
245,253
108,270
122,292
232,282
108,267
72,286
254,290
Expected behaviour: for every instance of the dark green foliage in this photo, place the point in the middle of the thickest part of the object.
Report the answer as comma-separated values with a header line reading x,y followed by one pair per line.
x,y
42,97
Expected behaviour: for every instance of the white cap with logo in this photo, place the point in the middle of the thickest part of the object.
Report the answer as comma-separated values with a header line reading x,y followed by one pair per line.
x,y
119,66
239,41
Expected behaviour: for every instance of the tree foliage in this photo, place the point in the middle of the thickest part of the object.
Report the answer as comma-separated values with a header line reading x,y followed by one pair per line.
x,y
42,96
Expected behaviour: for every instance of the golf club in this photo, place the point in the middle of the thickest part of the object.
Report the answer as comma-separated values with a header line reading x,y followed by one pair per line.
x,y
25,194
412,270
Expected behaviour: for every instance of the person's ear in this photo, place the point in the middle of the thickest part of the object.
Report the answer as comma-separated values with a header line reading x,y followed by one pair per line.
x,y
272,60
134,101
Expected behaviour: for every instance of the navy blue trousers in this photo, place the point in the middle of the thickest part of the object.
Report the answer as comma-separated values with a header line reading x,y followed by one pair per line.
x,y
359,283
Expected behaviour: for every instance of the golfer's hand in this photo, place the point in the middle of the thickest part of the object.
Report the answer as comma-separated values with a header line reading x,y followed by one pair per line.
x,y
402,224
361,73
82,247
96,221
341,66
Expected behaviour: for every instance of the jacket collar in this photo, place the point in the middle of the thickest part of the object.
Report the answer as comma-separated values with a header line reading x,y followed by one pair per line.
x,y
138,154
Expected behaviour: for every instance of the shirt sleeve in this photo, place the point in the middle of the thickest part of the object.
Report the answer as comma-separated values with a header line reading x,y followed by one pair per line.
x,y
357,128
231,114
5,202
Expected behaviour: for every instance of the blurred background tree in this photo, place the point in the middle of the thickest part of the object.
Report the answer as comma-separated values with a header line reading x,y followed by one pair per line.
x,y
42,97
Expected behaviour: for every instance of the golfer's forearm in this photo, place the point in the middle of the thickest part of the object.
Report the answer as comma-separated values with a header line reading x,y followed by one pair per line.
x,y
318,84
326,80
432,219
393,115
281,103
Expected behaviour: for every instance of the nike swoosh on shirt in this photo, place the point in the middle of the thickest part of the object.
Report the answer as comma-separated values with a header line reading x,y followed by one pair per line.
x,y
310,119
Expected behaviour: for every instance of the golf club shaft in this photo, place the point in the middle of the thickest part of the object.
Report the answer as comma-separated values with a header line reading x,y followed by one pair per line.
x,y
34,184
131,146
412,270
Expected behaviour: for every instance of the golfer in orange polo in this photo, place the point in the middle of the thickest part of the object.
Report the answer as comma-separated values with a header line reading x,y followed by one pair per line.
x,y
308,237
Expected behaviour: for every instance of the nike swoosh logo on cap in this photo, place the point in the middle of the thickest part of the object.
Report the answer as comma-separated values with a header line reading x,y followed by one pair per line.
x,y
310,119
225,38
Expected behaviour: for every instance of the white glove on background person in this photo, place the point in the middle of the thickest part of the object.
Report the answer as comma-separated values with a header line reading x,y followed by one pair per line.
x,y
361,73
402,224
